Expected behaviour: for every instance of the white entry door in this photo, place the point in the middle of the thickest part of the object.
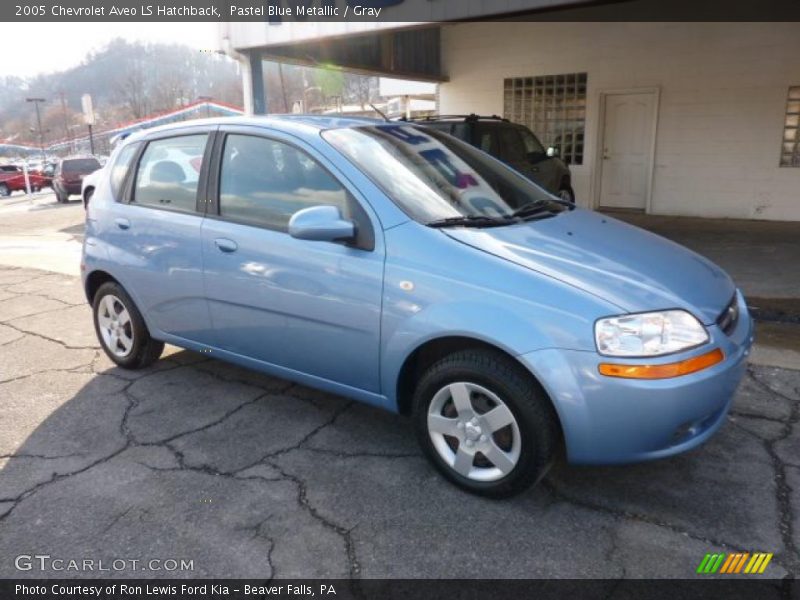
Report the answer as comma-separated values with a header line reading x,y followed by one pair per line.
x,y
627,147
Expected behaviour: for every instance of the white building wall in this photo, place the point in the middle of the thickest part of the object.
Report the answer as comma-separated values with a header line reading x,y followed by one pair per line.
x,y
723,90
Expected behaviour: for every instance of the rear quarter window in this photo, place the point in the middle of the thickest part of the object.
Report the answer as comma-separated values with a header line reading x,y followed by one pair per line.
x,y
121,167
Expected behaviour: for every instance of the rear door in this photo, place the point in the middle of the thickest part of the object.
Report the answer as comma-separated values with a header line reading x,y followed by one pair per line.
x,y
155,233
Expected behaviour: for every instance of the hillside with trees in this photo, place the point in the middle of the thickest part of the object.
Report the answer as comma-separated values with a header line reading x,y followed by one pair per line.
x,y
130,80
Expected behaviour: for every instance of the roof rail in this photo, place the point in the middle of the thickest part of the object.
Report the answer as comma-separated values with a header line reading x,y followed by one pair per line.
x,y
469,117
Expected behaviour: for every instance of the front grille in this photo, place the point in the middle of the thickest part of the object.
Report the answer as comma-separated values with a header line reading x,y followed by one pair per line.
x,y
729,317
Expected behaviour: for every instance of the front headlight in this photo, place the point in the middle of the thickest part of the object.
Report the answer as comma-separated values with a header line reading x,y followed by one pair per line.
x,y
649,334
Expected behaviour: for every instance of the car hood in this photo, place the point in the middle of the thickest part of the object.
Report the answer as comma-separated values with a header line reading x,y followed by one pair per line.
x,y
627,266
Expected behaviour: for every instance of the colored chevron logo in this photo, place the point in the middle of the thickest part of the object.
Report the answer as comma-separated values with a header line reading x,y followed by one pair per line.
x,y
734,563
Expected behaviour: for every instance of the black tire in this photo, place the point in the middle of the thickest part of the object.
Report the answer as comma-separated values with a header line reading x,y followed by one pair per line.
x,y
145,350
87,198
4,191
566,192
539,431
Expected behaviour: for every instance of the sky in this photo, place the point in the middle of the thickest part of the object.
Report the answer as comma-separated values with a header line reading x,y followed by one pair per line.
x,y
58,46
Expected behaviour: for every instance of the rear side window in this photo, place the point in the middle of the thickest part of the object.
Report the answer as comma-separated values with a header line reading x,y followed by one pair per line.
x,y
80,165
512,148
461,131
444,126
486,138
120,169
169,172
264,182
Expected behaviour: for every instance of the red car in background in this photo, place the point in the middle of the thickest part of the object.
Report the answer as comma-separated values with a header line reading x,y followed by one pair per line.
x,y
12,179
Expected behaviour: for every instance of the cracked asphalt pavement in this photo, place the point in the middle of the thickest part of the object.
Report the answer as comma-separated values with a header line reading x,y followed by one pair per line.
x,y
254,477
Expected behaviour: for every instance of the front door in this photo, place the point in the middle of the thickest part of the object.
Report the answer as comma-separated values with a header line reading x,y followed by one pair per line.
x,y
313,307
627,150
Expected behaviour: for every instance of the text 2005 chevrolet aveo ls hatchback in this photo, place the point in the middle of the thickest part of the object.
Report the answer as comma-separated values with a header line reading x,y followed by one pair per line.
x,y
404,268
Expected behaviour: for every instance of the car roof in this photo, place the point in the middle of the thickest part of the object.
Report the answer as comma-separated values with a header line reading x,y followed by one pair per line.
x,y
291,122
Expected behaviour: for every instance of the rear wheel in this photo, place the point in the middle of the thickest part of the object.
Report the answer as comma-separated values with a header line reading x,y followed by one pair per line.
x,y
485,423
4,191
121,329
87,197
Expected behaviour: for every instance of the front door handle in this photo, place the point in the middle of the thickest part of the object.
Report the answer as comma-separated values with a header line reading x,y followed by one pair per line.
x,y
226,245
123,223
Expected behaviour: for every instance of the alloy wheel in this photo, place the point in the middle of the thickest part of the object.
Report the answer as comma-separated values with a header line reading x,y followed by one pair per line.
x,y
474,431
116,327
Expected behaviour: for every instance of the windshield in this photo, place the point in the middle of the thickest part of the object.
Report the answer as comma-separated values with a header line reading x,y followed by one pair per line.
x,y
433,176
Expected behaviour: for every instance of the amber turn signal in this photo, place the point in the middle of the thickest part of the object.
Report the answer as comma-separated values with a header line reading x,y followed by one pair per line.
x,y
684,367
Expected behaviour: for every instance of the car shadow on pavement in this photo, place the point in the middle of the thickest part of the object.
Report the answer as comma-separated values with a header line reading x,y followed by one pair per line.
x,y
251,476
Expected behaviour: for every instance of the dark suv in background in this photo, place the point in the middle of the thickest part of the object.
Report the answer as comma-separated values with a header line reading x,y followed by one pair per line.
x,y
69,175
514,144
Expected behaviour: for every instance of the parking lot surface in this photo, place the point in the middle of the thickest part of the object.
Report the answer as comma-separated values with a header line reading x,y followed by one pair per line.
x,y
249,476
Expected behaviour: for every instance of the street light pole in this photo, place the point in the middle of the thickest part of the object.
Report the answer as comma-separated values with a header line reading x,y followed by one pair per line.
x,y
36,102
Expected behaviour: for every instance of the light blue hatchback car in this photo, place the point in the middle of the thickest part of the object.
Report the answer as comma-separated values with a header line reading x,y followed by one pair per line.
x,y
406,269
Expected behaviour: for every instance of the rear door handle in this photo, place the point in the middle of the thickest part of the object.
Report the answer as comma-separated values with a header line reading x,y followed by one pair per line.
x,y
123,223
226,245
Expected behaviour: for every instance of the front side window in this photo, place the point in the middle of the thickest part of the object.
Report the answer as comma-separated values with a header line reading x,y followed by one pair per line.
x,y
169,172
532,144
263,182
432,176
120,168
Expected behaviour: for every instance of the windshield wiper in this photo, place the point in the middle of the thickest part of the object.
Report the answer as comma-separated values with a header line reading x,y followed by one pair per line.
x,y
472,221
535,208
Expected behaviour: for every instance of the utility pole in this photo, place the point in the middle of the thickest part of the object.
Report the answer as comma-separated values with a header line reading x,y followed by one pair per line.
x,y
88,117
66,122
36,102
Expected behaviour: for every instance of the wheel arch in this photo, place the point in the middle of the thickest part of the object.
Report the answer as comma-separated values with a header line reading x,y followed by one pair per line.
x,y
432,350
93,282
87,194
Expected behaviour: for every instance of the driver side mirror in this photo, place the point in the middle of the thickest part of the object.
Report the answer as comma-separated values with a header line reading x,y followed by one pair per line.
x,y
321,224
552,151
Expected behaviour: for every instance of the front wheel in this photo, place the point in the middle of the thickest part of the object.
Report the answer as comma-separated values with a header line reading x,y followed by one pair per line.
x,y
566,193
121,329
485,423
4,191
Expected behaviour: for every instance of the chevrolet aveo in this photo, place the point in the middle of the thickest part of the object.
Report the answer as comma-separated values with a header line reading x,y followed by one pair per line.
x,y
403,268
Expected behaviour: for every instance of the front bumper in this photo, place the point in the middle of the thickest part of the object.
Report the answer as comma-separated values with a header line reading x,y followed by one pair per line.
x,y
608,420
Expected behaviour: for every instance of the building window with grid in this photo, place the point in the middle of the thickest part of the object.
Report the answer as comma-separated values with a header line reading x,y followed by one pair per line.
x,y
790,149
553,107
